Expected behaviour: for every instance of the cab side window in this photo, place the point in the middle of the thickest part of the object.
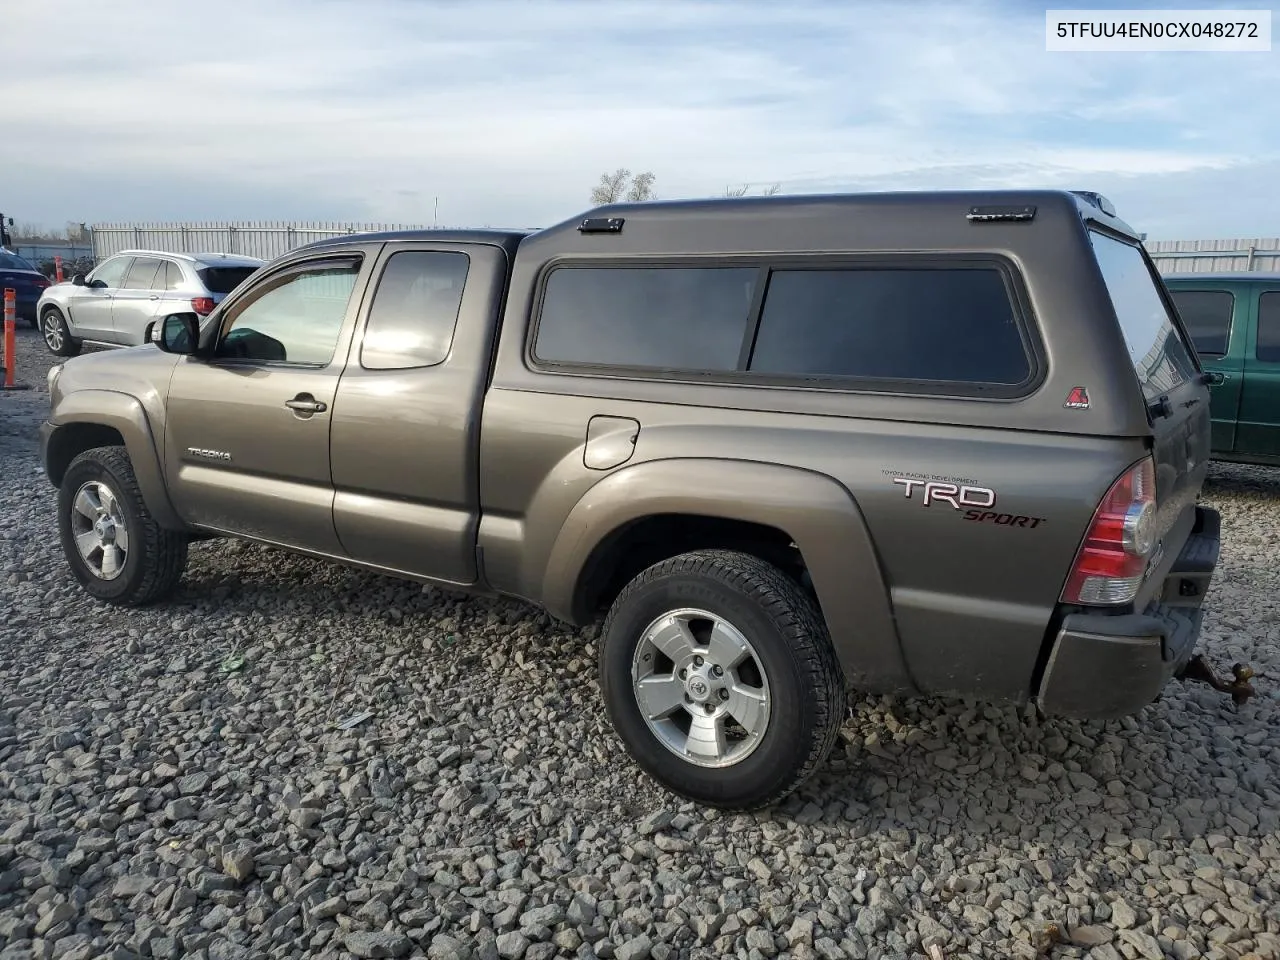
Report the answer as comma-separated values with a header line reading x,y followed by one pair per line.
x,y
415,310
1207,316
294,317
1268,349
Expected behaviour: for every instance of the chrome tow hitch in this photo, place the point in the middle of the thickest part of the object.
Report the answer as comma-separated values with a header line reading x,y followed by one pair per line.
x,y
1240,688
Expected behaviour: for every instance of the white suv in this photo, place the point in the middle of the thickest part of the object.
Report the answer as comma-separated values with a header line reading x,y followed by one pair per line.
x,y
114,303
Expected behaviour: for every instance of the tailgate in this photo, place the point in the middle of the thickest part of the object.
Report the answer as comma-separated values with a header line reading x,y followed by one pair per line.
x,y
1180,447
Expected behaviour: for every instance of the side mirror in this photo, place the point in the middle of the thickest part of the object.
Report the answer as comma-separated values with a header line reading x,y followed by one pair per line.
x,y
78,280
176,333
98,284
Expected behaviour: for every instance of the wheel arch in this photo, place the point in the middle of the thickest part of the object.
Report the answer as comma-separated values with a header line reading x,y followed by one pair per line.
x,y
54,305
154,557
640,542
94,418
760,507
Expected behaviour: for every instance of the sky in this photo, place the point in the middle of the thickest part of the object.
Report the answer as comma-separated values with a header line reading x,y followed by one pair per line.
x,y
506,112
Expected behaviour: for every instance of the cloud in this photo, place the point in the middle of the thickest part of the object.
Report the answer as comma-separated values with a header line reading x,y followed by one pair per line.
x,y
509,111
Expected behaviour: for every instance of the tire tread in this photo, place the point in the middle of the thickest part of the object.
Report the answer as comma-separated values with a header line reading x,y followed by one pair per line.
x,y
164,552
796,617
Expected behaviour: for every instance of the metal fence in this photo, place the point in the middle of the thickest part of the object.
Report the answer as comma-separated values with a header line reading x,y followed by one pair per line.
x,y
263,239
1201,256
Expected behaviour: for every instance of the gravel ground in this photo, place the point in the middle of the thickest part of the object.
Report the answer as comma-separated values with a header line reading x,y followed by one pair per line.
x,y
174,783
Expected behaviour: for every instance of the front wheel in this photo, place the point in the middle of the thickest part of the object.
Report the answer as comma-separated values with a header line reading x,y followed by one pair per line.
x,y
114,547
719,676
56,334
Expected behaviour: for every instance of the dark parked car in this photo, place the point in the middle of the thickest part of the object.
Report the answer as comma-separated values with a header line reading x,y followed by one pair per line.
x,y
785,448
27,282
1234,320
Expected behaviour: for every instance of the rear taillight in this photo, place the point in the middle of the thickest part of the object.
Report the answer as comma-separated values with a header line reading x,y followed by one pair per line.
x,y
1112,561
202,305
40,282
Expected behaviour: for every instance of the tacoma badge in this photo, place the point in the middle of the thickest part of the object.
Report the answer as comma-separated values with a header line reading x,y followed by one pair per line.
x,y
204,454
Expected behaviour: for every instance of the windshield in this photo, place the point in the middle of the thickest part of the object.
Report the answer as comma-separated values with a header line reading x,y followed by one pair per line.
x,y
224,279
1161,357
11,261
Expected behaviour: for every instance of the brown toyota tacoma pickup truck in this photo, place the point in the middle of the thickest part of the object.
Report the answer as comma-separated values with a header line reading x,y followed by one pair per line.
x,y
789,449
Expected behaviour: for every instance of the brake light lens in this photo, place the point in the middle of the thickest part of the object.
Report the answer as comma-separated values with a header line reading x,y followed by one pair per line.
x,y
40,282
202,305
1112,562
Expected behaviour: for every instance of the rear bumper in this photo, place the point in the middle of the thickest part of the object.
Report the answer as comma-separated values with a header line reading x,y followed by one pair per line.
x,y
1104,667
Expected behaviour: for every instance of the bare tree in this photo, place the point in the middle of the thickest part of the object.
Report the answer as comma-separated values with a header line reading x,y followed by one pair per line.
x,y
72,232
620,185
641,187
742,191
611,187
26,230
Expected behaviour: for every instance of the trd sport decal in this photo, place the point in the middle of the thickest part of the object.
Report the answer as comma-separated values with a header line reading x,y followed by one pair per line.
x,y
974,500
957,495
1004,519
1077,399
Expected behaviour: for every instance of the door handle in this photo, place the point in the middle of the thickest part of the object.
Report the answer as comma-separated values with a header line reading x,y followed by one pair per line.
x,y
153,297
304,403
1213,379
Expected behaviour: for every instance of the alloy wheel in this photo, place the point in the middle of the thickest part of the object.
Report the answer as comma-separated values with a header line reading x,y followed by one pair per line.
x,y
100,531
52,330
701,688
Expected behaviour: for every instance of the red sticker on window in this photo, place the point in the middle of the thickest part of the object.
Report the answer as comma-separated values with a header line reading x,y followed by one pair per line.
x,y
1077,399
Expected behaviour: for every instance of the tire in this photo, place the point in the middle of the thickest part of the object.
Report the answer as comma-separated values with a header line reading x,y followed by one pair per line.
x,y
790,661
153,558
56,335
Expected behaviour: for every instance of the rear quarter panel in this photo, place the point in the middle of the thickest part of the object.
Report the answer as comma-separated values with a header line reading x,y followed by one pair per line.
x,y
969,593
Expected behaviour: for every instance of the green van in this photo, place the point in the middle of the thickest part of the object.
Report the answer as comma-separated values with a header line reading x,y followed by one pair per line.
x,y
1234,321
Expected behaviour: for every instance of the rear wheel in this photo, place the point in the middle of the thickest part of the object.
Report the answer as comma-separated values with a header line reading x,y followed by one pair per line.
x,y
719,676
114,547
57,337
